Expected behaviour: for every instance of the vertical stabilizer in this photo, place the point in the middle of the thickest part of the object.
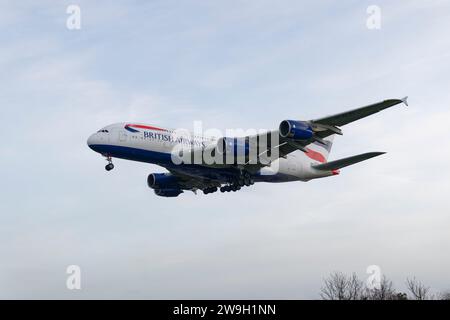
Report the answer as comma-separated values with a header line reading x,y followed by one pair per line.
x,y
319,151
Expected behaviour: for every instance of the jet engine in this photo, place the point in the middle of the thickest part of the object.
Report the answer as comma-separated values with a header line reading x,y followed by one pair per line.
x,y
168,192
296,130
162,181
233,149
237,146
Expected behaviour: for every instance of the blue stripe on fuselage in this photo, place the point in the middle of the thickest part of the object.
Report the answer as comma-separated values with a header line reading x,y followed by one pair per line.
x,y
134,154
165,160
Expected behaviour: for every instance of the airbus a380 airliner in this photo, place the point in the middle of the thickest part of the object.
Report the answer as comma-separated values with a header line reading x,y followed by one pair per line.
x,y
296,151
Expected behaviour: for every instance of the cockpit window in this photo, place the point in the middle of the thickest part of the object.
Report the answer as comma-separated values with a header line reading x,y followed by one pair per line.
x,y
105,131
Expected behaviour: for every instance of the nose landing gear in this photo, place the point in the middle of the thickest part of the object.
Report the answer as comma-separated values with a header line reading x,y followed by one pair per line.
x,y
110,165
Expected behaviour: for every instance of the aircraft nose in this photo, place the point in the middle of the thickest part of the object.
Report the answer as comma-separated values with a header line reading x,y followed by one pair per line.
x,y
91,140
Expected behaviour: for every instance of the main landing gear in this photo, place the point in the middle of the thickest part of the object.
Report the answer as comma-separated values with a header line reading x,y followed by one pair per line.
x,y
210,190
244,179
110,165
230,187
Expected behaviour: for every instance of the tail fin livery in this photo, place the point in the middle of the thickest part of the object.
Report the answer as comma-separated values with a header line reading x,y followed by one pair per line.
x,y
320,151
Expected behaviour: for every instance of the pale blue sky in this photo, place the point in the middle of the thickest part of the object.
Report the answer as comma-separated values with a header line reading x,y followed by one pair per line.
x,y
231,64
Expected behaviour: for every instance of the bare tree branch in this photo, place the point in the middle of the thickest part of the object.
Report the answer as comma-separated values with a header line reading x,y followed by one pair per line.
x,y
385,291
444,295
418,290
340,287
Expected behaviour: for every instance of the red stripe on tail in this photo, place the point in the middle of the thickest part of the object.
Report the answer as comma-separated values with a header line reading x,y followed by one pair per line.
x,y
315,155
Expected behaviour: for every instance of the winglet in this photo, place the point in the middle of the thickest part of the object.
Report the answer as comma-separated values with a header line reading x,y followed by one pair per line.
x,y
405,100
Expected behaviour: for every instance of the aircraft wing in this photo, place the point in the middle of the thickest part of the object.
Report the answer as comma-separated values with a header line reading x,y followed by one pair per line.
x,y
321,127
193,180
329,125
326,126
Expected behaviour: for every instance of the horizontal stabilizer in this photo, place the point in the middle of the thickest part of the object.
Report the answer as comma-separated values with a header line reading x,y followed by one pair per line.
x,y
341,163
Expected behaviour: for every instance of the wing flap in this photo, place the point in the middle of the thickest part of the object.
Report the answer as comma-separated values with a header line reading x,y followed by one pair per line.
x,y
345,162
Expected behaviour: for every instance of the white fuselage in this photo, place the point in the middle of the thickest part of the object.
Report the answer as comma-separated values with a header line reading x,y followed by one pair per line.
x,y
146,143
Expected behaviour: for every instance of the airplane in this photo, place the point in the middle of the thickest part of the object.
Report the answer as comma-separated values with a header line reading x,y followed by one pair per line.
x,y
296,151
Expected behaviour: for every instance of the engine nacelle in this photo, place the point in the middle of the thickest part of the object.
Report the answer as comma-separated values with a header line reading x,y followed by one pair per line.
x,y
233,150
236,146
296,130
168,192
162,181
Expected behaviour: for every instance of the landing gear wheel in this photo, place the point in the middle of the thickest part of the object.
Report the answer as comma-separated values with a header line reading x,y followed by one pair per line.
x,y
245,179
110,165
209,190
226,188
